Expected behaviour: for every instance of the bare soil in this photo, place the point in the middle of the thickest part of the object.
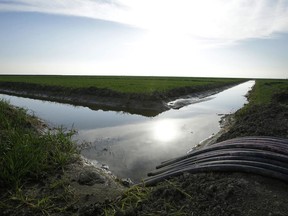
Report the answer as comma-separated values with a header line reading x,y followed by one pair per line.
x,y
64,192
217,194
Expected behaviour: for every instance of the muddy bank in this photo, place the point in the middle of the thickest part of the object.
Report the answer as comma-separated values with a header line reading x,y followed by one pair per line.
x,y
106,99
264,120
65,192
217,194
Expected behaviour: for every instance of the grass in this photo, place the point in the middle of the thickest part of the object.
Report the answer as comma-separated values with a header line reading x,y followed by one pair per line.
x,y
263,93
264,90
137,197
28,155
131,198
123,84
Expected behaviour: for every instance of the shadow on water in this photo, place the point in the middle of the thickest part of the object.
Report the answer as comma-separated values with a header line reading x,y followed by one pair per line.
x,y
151,109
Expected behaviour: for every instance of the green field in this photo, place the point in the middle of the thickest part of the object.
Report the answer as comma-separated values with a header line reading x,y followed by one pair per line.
x,y
125,84
264,90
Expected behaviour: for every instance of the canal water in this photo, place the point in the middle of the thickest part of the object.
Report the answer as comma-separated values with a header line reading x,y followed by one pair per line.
x,y
132,145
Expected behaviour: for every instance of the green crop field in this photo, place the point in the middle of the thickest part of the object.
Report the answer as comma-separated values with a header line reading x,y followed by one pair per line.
x,y
264,90
120,83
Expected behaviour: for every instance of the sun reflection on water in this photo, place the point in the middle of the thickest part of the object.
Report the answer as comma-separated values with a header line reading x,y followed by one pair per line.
x,y
165,130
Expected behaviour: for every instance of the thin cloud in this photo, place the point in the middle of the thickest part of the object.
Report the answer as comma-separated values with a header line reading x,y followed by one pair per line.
x,y
215,20
97,9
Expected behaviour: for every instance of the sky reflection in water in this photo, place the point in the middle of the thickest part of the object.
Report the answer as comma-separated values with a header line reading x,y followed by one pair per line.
x,y
132,150
132,145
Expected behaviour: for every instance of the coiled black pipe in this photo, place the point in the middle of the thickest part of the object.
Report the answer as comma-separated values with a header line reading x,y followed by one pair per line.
x,y
220,168
267,156
232,151
261,144
255,139
258,163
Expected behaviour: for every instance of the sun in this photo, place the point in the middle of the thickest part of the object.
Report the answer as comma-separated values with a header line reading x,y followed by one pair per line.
x,y
165,131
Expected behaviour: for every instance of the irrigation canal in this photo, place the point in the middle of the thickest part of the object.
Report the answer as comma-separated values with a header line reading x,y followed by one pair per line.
x,y
132,145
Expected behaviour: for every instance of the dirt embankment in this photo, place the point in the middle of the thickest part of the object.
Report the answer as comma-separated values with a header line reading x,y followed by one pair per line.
x,y
107,99
64,192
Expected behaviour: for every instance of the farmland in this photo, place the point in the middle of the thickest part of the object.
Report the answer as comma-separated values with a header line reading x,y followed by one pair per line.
x,y
123,84
265,90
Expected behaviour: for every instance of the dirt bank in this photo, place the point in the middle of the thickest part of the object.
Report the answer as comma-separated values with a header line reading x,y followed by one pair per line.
x,y
217,194
65,192
106,99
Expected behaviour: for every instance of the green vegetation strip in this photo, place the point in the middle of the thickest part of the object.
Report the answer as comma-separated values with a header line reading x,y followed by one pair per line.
x,y
28,155
123,84
266,91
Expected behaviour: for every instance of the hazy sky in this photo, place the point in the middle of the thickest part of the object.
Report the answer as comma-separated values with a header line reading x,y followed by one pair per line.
x,y
218,38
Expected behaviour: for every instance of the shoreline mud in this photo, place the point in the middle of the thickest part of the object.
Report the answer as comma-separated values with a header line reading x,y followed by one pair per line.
x,y
226,123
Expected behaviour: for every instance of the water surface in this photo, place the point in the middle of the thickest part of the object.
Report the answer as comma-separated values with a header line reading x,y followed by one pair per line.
x,y
132,145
